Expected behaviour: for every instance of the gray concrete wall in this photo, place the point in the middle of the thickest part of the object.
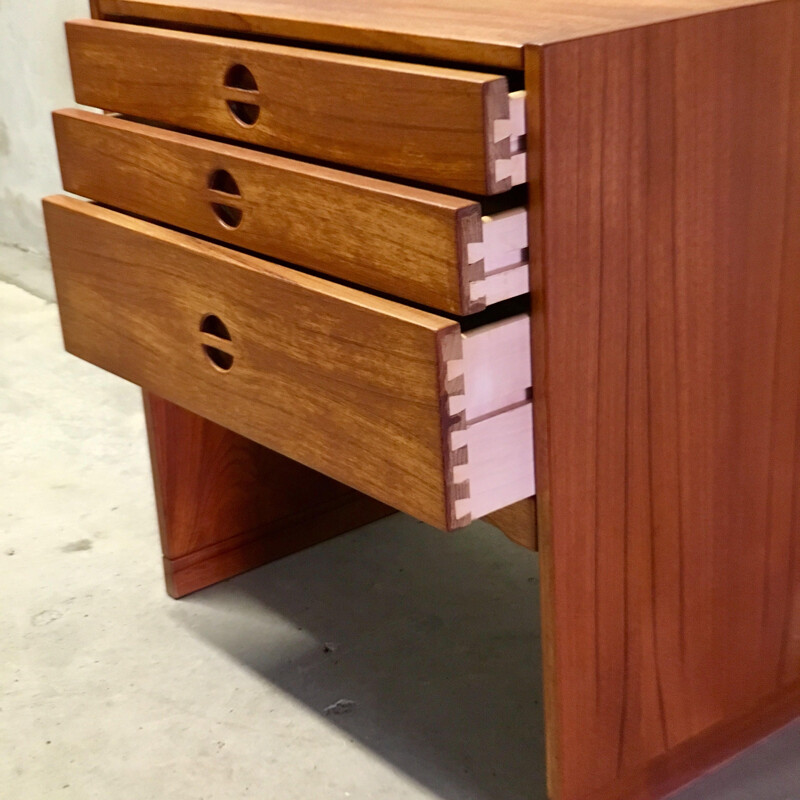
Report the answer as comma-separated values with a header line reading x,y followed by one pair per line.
x,y
34,80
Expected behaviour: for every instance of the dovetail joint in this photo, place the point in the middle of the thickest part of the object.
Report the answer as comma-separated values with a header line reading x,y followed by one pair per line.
x,y
456,433
475,272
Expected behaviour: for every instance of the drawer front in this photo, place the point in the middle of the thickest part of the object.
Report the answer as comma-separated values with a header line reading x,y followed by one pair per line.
x,y
440,126
365,390
363,230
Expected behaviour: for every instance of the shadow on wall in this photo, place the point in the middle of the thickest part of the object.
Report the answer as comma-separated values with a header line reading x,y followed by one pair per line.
x,y
433,637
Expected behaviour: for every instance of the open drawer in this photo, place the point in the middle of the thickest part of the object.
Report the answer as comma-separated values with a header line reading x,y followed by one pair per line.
x,y
446,127
393,401
424,246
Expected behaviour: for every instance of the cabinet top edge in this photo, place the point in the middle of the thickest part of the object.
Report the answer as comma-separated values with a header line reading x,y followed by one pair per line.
x,y
487,32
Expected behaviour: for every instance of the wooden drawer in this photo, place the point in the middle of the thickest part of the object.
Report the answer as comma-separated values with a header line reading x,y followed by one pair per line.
x,y
393,401
363,230
441,126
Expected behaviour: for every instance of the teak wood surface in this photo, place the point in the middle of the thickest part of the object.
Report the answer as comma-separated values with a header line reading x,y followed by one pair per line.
x,y
226,504
407,242
486,32
425,123
666,352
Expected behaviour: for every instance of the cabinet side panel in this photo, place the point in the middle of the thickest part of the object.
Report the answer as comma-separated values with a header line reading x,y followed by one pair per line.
x,y
667,379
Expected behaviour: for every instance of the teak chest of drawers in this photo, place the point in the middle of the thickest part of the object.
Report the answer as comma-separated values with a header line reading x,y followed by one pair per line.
x,y
366,256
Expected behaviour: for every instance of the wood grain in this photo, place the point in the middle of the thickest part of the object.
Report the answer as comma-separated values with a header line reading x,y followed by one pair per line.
x,y
716,745
497,367
430,124
227,505
667,389
365,390
499,470
402,241
472,31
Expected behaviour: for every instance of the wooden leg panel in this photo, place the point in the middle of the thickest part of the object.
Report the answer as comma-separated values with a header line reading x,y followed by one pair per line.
x,y
227,505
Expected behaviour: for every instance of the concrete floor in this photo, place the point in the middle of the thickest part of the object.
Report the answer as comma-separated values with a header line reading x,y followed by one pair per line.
x,y
109,689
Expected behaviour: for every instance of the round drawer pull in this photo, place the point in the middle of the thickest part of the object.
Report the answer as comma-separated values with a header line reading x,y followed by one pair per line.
x,y
245,111
224,187
217,342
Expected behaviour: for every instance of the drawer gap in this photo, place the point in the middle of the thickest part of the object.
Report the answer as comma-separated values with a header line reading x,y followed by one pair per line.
x,y
524,400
